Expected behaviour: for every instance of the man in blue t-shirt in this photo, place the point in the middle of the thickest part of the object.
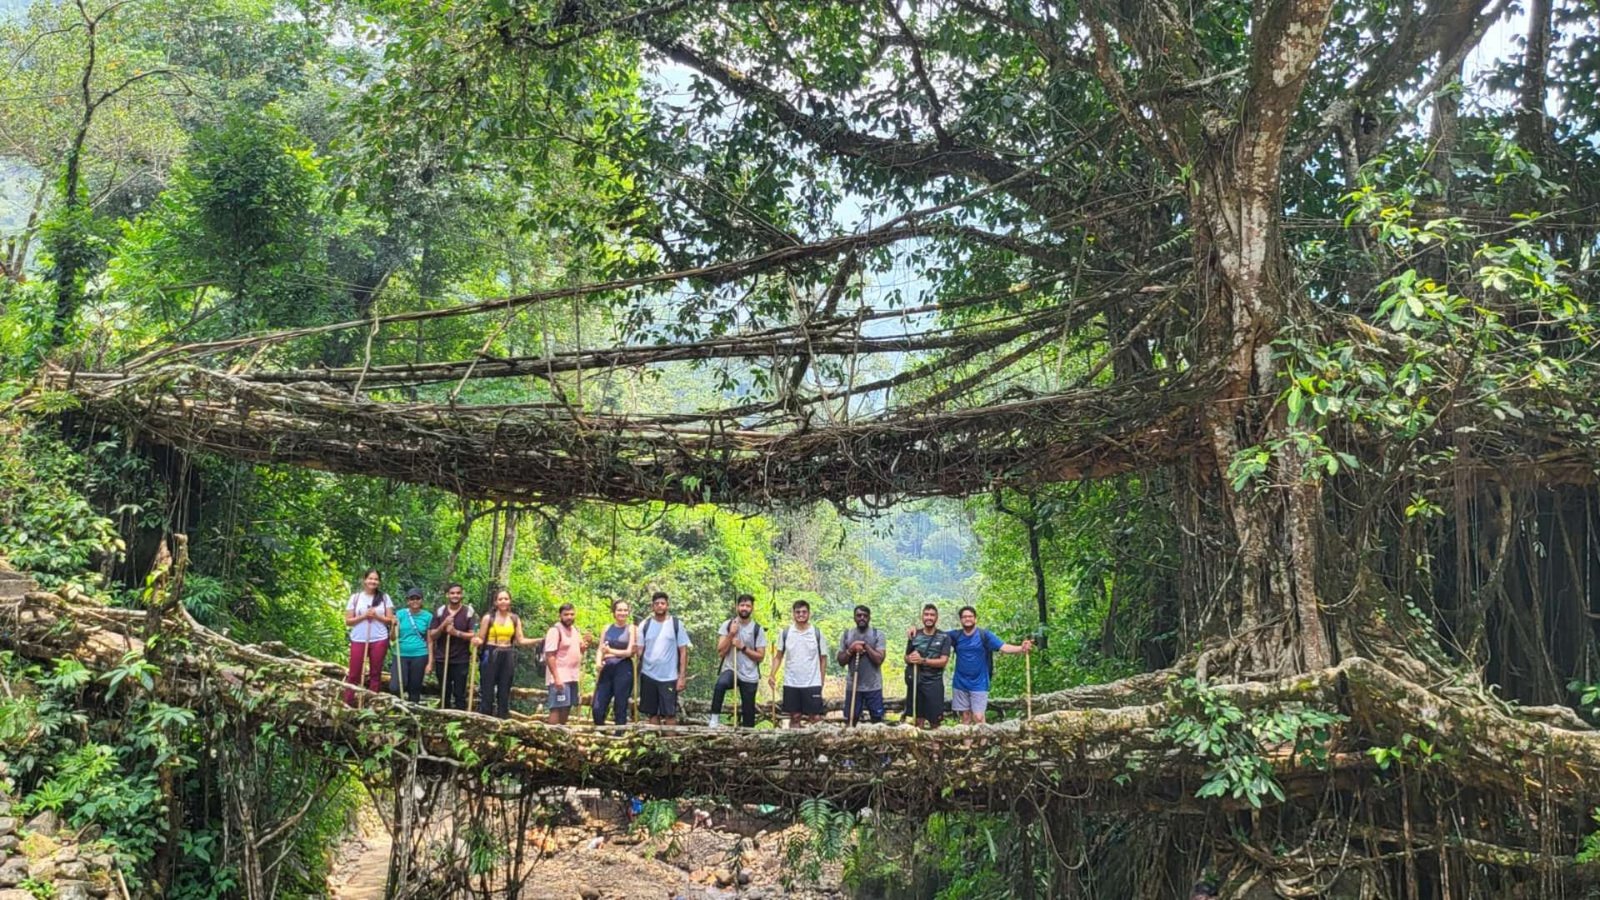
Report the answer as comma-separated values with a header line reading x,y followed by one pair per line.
x,y
972,646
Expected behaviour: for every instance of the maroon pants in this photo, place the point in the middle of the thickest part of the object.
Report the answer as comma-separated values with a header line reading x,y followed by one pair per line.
x,y
372,652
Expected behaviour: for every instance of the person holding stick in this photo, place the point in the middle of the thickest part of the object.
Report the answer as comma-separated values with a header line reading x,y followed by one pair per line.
x,y
368,614
927,653
742,645
614,665
411,626
861,652
453,626
975,648
805,676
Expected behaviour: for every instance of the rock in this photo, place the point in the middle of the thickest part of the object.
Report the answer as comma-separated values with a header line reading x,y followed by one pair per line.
x,y
47,823
744,876
588,893
42,869
8,824
67,853
89,833
14,894
13,872
102,861
8,843
724,878
73,869
72,890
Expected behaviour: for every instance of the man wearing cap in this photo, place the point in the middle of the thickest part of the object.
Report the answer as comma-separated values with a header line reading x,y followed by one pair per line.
x,y
416,651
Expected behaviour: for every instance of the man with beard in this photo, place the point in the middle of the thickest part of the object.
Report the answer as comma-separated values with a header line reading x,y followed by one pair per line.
x,y
975,649
741,645
861,652
927,653
453,627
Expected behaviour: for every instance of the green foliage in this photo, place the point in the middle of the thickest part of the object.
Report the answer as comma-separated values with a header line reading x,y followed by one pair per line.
x,y
656,817
1238,746
830,835
1410,750
1589,851
47,527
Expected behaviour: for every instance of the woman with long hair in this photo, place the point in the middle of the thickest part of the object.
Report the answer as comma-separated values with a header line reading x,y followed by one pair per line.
x,y
501,631
613,683
369,615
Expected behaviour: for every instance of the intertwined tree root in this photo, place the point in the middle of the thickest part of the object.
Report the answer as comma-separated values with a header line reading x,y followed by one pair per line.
x,y
1122,757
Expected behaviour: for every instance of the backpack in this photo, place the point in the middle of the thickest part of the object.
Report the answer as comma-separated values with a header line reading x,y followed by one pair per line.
x,y
873,636
816,633
757,640
644,632
539,662
443,612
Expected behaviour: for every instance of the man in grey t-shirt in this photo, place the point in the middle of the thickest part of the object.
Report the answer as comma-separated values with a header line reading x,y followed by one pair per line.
x,y
741,644
861,652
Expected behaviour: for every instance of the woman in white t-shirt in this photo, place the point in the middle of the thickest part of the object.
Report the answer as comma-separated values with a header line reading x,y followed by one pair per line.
x,y
369,614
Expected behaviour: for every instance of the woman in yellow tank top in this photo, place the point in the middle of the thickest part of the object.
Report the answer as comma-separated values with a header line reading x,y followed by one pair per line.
x,y
501,630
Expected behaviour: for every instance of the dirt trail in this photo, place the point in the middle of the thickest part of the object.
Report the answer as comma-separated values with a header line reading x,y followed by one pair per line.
x,y
361,866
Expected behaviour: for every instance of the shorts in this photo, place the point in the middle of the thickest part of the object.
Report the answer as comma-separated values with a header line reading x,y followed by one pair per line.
x,y
803,701
562,696
930,701
969,701
658,699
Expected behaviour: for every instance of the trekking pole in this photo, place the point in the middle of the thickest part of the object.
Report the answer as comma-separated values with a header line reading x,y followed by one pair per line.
x,y
916,682
444,677
633,719
472,677
850,700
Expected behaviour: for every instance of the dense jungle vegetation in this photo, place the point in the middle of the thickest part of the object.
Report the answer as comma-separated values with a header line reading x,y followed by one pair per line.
x,y
1312,282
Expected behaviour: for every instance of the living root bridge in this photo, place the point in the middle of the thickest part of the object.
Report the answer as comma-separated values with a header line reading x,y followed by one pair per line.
x,y
1069,758
546,452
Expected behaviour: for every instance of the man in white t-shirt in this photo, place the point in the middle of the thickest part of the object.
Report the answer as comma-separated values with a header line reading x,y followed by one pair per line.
x,y
801,645
663,663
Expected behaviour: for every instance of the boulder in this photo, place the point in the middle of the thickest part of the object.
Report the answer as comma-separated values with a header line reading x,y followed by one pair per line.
x,y
72,890
13,872
73,869
42,869
67,853
8,843
15,894
8,824
46,822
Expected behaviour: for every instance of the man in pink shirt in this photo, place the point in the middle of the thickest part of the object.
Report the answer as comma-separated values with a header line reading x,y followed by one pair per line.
x,y
564,647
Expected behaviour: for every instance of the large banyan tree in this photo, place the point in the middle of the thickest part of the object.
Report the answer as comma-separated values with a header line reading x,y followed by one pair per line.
x,y
1315,273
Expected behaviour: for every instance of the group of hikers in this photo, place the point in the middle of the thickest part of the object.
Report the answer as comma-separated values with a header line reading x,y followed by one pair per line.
x,y
652,656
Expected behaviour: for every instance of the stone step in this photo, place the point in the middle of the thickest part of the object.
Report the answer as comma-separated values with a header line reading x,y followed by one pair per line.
x,y
14,584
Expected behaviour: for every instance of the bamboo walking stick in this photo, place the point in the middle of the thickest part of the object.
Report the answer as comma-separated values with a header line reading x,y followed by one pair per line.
x,y
916,682
1027,684
444,677
634,717
472,676
850,700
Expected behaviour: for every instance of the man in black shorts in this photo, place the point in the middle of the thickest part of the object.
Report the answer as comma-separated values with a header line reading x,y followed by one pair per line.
x,y
802,645
927,653
663,660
